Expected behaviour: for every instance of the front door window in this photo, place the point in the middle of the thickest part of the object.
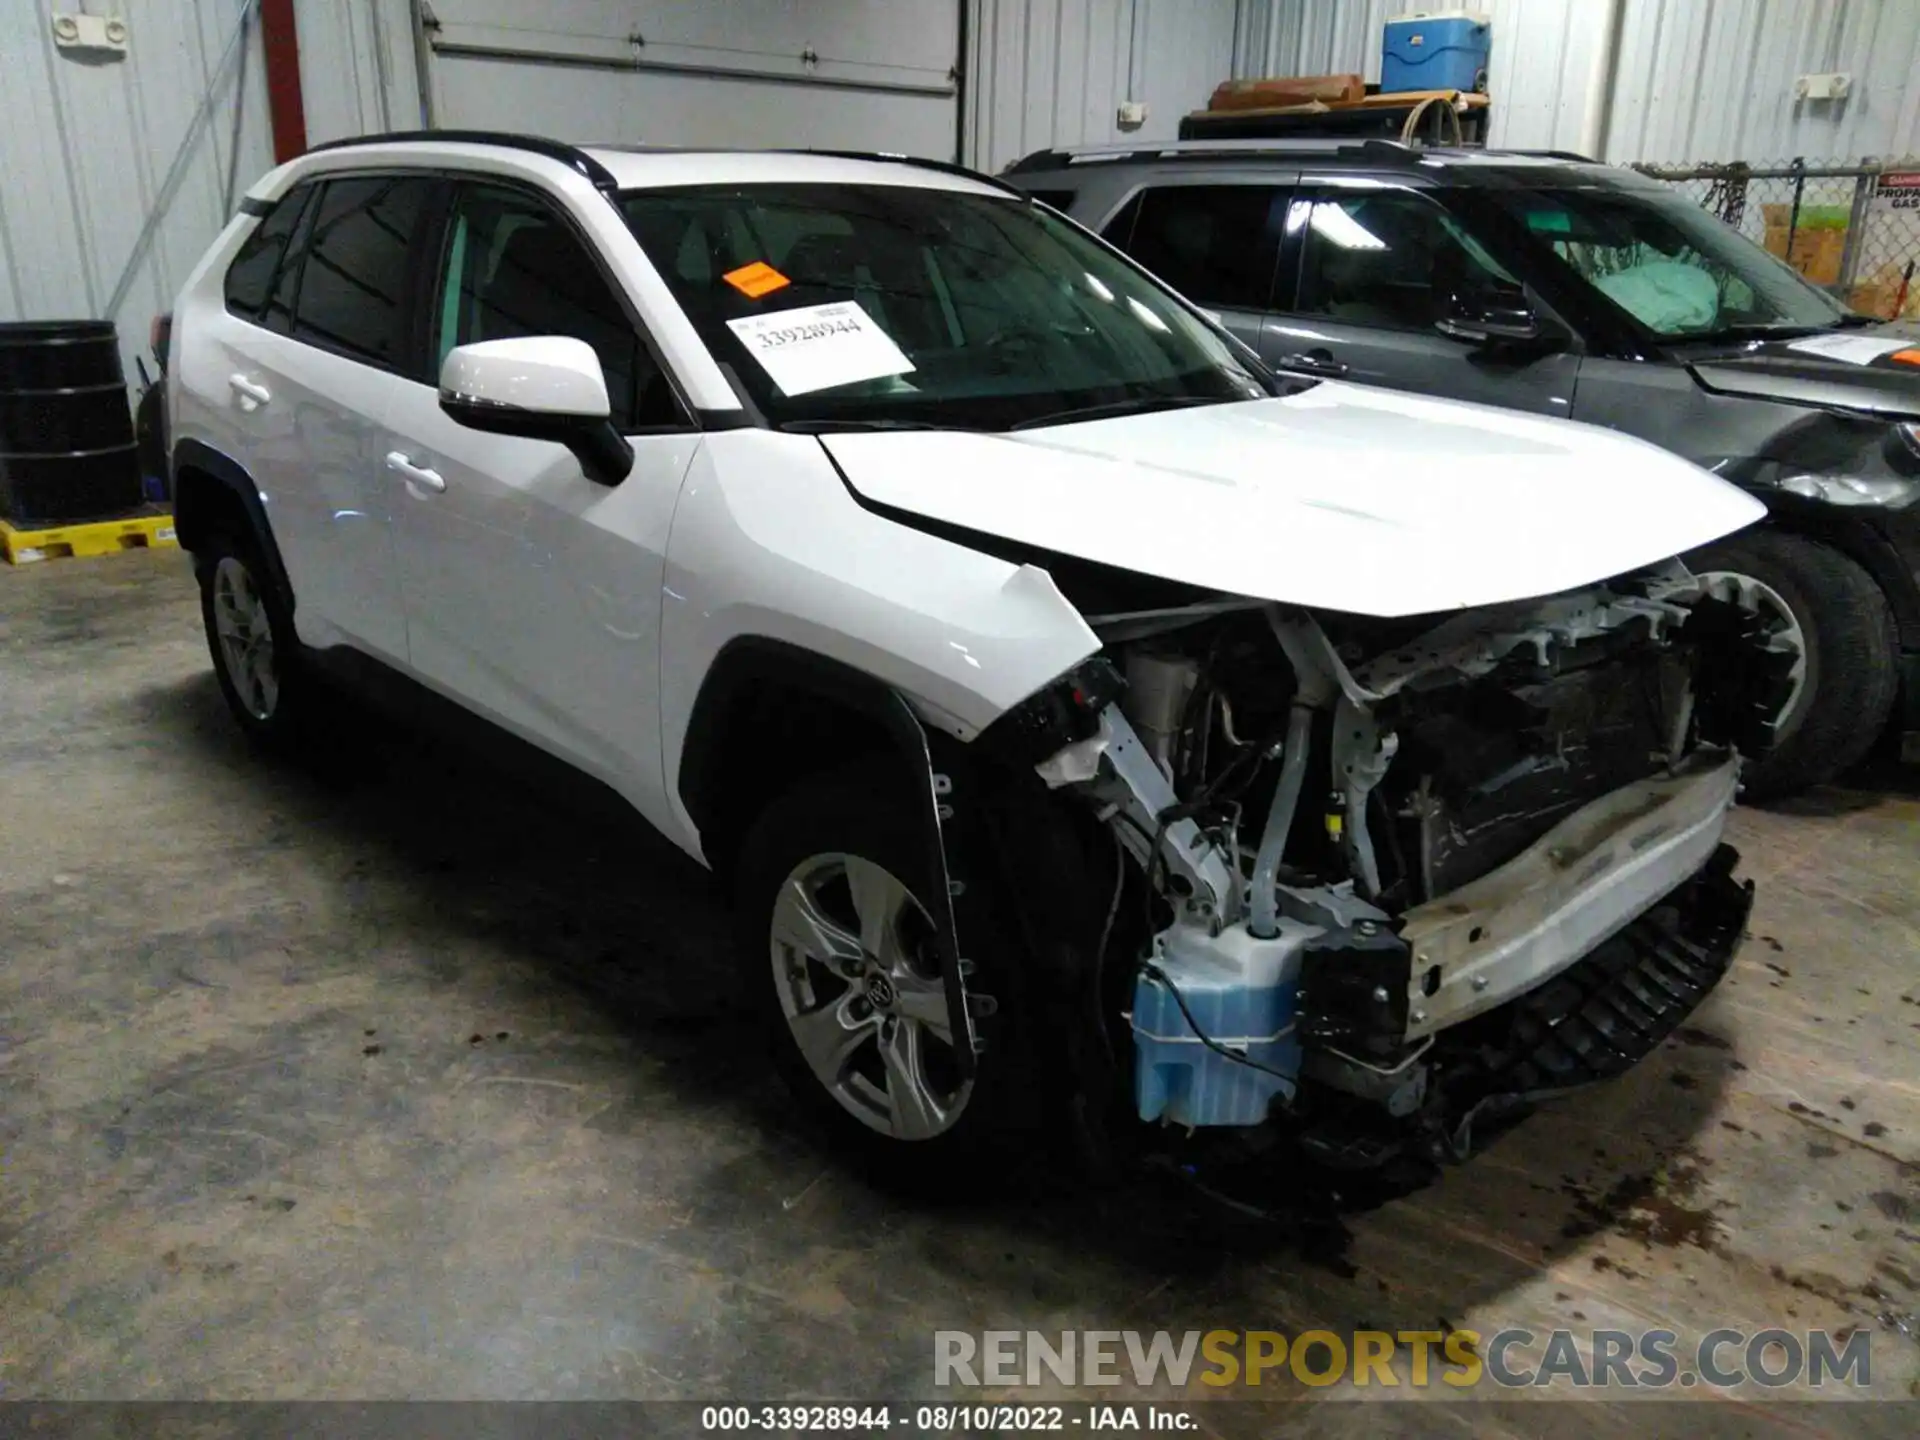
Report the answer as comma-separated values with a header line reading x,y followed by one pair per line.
x,y
515,269
1391,259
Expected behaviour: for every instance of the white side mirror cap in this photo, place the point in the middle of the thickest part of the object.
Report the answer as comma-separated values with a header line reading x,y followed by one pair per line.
x,y
539,375
544,387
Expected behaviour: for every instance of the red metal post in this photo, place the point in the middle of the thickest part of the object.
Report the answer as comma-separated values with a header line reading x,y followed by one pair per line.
x,y
280,39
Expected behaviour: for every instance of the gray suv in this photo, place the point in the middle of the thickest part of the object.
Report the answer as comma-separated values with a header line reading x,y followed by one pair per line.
x,y
1551,284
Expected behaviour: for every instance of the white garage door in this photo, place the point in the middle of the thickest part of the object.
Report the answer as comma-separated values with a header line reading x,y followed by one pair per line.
x,y
821,74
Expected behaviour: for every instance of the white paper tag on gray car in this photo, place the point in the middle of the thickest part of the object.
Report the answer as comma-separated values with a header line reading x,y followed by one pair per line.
x,y
1854,349
820,346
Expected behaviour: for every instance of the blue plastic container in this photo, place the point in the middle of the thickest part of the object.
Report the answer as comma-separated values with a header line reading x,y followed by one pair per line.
x,y
1436,50
1244,993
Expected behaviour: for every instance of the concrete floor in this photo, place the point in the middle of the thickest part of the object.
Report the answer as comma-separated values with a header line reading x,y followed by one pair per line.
x,y
422,1086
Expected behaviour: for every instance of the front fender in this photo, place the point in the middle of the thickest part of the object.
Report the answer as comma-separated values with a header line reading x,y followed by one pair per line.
x,y
768,543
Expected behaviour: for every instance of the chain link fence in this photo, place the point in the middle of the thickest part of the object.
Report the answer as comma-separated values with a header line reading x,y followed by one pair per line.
x,y
1852,228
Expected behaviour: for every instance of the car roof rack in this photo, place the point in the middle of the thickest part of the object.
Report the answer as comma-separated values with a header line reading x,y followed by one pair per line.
x,y
576,158
1548,155
892,157
944,167
572,156
1062,157
1304,145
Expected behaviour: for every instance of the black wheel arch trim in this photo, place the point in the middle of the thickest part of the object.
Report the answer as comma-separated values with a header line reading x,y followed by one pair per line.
x,y
231,477
750,662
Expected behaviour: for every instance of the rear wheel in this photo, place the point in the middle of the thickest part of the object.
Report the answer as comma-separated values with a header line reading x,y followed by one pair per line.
x,y
1820,608
256,656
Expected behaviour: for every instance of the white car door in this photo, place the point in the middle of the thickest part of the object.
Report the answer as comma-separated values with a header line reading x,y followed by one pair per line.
x,y
533,593
311,371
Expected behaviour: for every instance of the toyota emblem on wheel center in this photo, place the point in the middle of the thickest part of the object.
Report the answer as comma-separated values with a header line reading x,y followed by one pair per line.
x,y
880,992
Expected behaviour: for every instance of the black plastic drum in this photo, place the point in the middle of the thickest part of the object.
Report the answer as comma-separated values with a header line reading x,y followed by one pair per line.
x,y
67,450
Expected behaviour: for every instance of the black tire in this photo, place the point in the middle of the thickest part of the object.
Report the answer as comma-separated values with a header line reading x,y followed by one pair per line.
x,y
1850,647
285,721
867,811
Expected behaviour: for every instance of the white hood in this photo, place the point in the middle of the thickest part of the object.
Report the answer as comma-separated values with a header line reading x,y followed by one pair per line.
x,y
1339,498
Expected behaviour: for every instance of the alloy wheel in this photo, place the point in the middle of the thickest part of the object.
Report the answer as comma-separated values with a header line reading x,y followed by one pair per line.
x,y
854,965
1783,633
245,637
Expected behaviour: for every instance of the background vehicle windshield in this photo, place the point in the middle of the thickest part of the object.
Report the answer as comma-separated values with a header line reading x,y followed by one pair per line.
x,y
973,311
1669,264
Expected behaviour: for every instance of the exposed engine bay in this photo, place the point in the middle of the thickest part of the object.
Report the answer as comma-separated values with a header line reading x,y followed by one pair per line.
x,y
1397,874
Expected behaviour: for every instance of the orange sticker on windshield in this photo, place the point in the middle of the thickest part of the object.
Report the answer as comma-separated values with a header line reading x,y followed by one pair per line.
x,y
1907,357
756,279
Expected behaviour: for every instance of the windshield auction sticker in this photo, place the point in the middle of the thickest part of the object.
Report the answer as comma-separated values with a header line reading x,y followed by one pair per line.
x,y
820,346
756,280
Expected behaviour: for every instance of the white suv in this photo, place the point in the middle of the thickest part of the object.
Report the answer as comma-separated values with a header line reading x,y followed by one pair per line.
x,y
1095,727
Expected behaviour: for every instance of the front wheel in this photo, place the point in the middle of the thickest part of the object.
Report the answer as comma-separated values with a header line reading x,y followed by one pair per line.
x,y
1821,609
837,956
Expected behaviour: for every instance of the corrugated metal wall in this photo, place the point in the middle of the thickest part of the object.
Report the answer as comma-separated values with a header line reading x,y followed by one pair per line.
x,y
1695,79
1715,81
118,171
358,71
1054,72
1538,74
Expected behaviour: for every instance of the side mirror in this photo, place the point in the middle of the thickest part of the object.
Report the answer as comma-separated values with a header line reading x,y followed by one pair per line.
x,y
1495,317
544,387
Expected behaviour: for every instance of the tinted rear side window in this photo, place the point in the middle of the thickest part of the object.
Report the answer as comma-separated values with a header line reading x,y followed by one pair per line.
x,y
1216,244
1061,200
353,278
251,275
278,316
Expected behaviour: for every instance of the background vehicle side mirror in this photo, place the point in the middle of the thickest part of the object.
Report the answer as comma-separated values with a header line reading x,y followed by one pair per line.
x,y
1505,316
543,387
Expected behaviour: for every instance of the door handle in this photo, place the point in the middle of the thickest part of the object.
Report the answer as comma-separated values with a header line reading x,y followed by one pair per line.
x,y
1314,362
248,390
415,474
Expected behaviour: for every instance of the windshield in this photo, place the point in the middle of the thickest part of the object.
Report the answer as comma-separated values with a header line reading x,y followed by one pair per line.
x,y
879,305
1669,264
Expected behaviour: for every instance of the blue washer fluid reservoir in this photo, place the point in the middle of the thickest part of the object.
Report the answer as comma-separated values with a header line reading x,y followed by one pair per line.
x,y
1243,992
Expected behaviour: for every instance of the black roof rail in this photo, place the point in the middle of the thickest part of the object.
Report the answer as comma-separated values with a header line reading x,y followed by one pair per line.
x,y
1038,160
1548,155
1222,149
1389,149
945,167
572,156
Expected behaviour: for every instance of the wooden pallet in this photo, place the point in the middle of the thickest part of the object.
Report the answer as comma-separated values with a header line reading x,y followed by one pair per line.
x,y
101,537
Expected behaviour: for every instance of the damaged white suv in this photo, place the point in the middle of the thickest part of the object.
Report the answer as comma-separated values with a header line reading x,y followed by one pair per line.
x,y
1097,730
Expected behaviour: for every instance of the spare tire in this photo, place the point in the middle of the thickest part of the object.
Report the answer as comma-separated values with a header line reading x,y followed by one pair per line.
x,y
1826,610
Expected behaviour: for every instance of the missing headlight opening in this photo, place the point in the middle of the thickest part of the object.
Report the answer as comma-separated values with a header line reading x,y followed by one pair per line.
x,y
1399,879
